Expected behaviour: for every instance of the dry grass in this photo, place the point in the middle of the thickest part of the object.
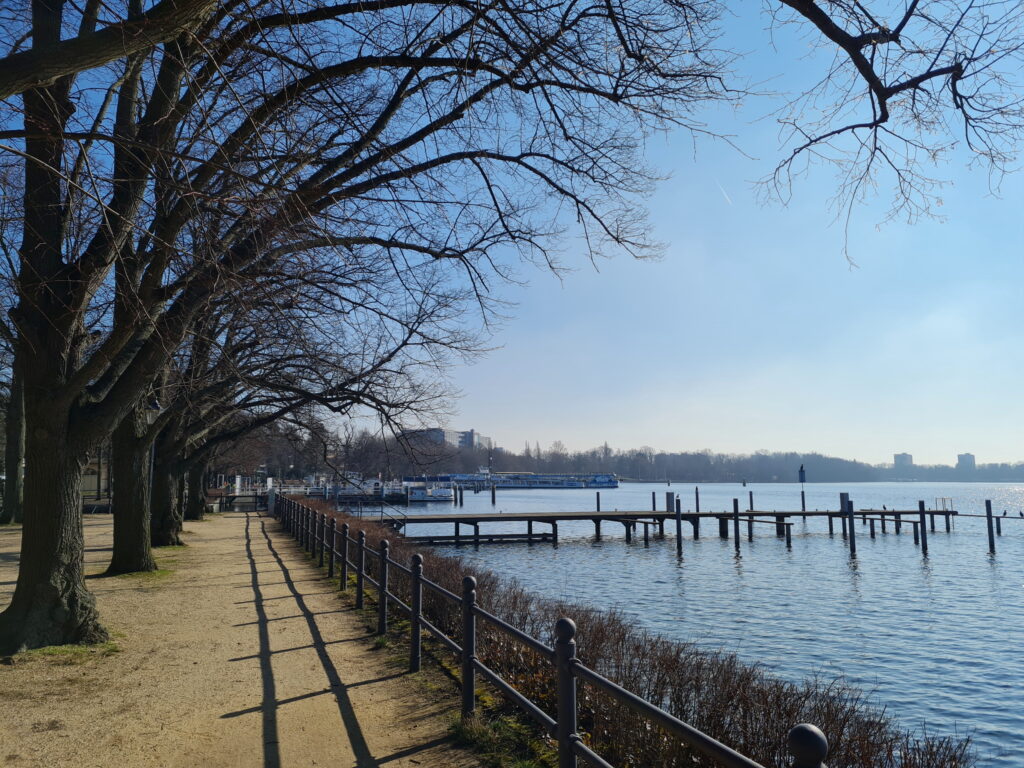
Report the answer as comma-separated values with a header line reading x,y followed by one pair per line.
x,y
739,704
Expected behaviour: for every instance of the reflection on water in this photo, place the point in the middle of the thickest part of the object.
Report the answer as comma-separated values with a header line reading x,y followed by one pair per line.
x,y
936,640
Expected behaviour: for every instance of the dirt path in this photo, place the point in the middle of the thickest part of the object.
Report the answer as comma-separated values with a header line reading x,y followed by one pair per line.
x,y
240,654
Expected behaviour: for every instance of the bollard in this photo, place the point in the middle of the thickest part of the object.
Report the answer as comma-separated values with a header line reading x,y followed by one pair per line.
x,y
853,533
808,746
468,646
736,523
416,606
382,588
360,567
565,658
988,522
924,530
344,555
330,560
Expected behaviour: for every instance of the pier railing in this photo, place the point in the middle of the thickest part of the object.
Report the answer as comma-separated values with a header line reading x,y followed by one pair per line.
x,y
320,536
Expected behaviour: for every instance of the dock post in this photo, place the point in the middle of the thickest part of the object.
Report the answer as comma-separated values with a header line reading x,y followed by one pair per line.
x,y
696,528
629,531
462,496
458,533
554,532
853,533
598,501
780,525
750,527
679,528
751,497
872,521
723,527
529,531
999,525
917,539
736,523
494,494
597,530
883,522
647,534
947,521
842,519
476,534
924,532
988,522
899,523
842,510
654,501
831,530
696,499
803,503
670,502
789,536
455,495
932,516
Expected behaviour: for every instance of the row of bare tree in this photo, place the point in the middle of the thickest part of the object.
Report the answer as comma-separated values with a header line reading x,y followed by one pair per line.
x,y
221,213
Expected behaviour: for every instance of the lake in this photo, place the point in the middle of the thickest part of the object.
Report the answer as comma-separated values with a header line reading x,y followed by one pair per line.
x,y
933,640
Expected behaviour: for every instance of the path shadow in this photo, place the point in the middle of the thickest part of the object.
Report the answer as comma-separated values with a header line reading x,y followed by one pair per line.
x,y
360,749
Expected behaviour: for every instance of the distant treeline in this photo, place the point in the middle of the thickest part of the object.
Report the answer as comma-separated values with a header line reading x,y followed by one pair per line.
x,y
281,454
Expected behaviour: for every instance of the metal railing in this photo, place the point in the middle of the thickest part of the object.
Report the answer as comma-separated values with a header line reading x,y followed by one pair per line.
x,y
319,535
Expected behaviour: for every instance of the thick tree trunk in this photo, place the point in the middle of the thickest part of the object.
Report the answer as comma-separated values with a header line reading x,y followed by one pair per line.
x,y
130,465
51,605
195,498
164,504
14,451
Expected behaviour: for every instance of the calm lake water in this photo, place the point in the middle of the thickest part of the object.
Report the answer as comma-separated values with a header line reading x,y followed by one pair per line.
x,y
936,640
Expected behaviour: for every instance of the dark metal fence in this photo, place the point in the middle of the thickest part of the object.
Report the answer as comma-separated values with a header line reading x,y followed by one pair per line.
x,y
319,535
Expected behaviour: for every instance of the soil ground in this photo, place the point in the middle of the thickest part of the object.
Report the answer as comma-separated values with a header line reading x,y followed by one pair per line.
x,y
237,653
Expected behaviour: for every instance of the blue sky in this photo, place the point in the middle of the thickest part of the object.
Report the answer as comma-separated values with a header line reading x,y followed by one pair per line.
x,y
755,332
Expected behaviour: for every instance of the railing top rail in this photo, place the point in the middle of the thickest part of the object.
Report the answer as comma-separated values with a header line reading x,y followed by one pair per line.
x,y
440,590
515,632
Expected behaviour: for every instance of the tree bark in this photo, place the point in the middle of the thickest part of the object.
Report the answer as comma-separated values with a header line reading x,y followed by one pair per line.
x,y
167,517
195,499
14,451
51,605
131,464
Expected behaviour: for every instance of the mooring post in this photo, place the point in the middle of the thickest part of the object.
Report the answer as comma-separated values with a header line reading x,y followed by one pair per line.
x,y
458,533
647,529
932,516
529,531
899,523
670,501
808,746
842,510
598,501
723,527
679,527
696,499
629,530
751,497
565,659
333,552
853,533
803,503
883,522
750,527
789,536
654,501
831,530
872,521
468,646
780,525
416,612
597,530
455,495
344,556
476,534
999,525
736,523
917,539
382,588
360,568
947,521
462,496
494,494
554,531
924,531
842,519
988,522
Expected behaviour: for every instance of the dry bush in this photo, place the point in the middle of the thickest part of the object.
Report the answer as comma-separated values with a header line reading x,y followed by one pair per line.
x,y
741,705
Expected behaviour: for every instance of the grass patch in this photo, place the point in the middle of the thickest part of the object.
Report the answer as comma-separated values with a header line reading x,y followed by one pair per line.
x,y
503,741
147,576
68,655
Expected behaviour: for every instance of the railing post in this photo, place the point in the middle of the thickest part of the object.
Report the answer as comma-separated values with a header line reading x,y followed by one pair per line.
x,y
360,567
344,555
565,657
468,646
808,746
382,588
333,553
322,527
417,610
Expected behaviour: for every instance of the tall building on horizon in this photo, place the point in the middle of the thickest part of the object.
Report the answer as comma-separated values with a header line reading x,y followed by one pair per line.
x,y
902,460
456,439
965,462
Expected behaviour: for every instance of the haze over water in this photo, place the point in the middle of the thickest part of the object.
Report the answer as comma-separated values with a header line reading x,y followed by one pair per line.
x,y
934,640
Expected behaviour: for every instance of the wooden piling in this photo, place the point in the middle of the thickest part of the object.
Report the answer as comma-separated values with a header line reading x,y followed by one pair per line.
x,y
780,525
494,494
853,533
750,527
899,523
598,501
932,516
789,537
883,523
629,531
947,521
529,531
872,527
999,526
679,528
597,529
736,523
917,539
654,501
476,534
647,529
924,532
696,499
554,531
723,527
988,522
750,495
842,510
831,530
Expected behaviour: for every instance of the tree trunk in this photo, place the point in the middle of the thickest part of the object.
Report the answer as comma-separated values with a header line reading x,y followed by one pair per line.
x,y
14,452
130,464
164,503
195,499
51,605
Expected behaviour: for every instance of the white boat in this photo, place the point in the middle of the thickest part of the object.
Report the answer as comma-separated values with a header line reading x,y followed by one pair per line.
x,y
435,493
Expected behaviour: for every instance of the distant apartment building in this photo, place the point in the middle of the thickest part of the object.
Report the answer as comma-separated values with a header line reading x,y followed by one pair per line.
x,y
455,438
965,462
902,460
